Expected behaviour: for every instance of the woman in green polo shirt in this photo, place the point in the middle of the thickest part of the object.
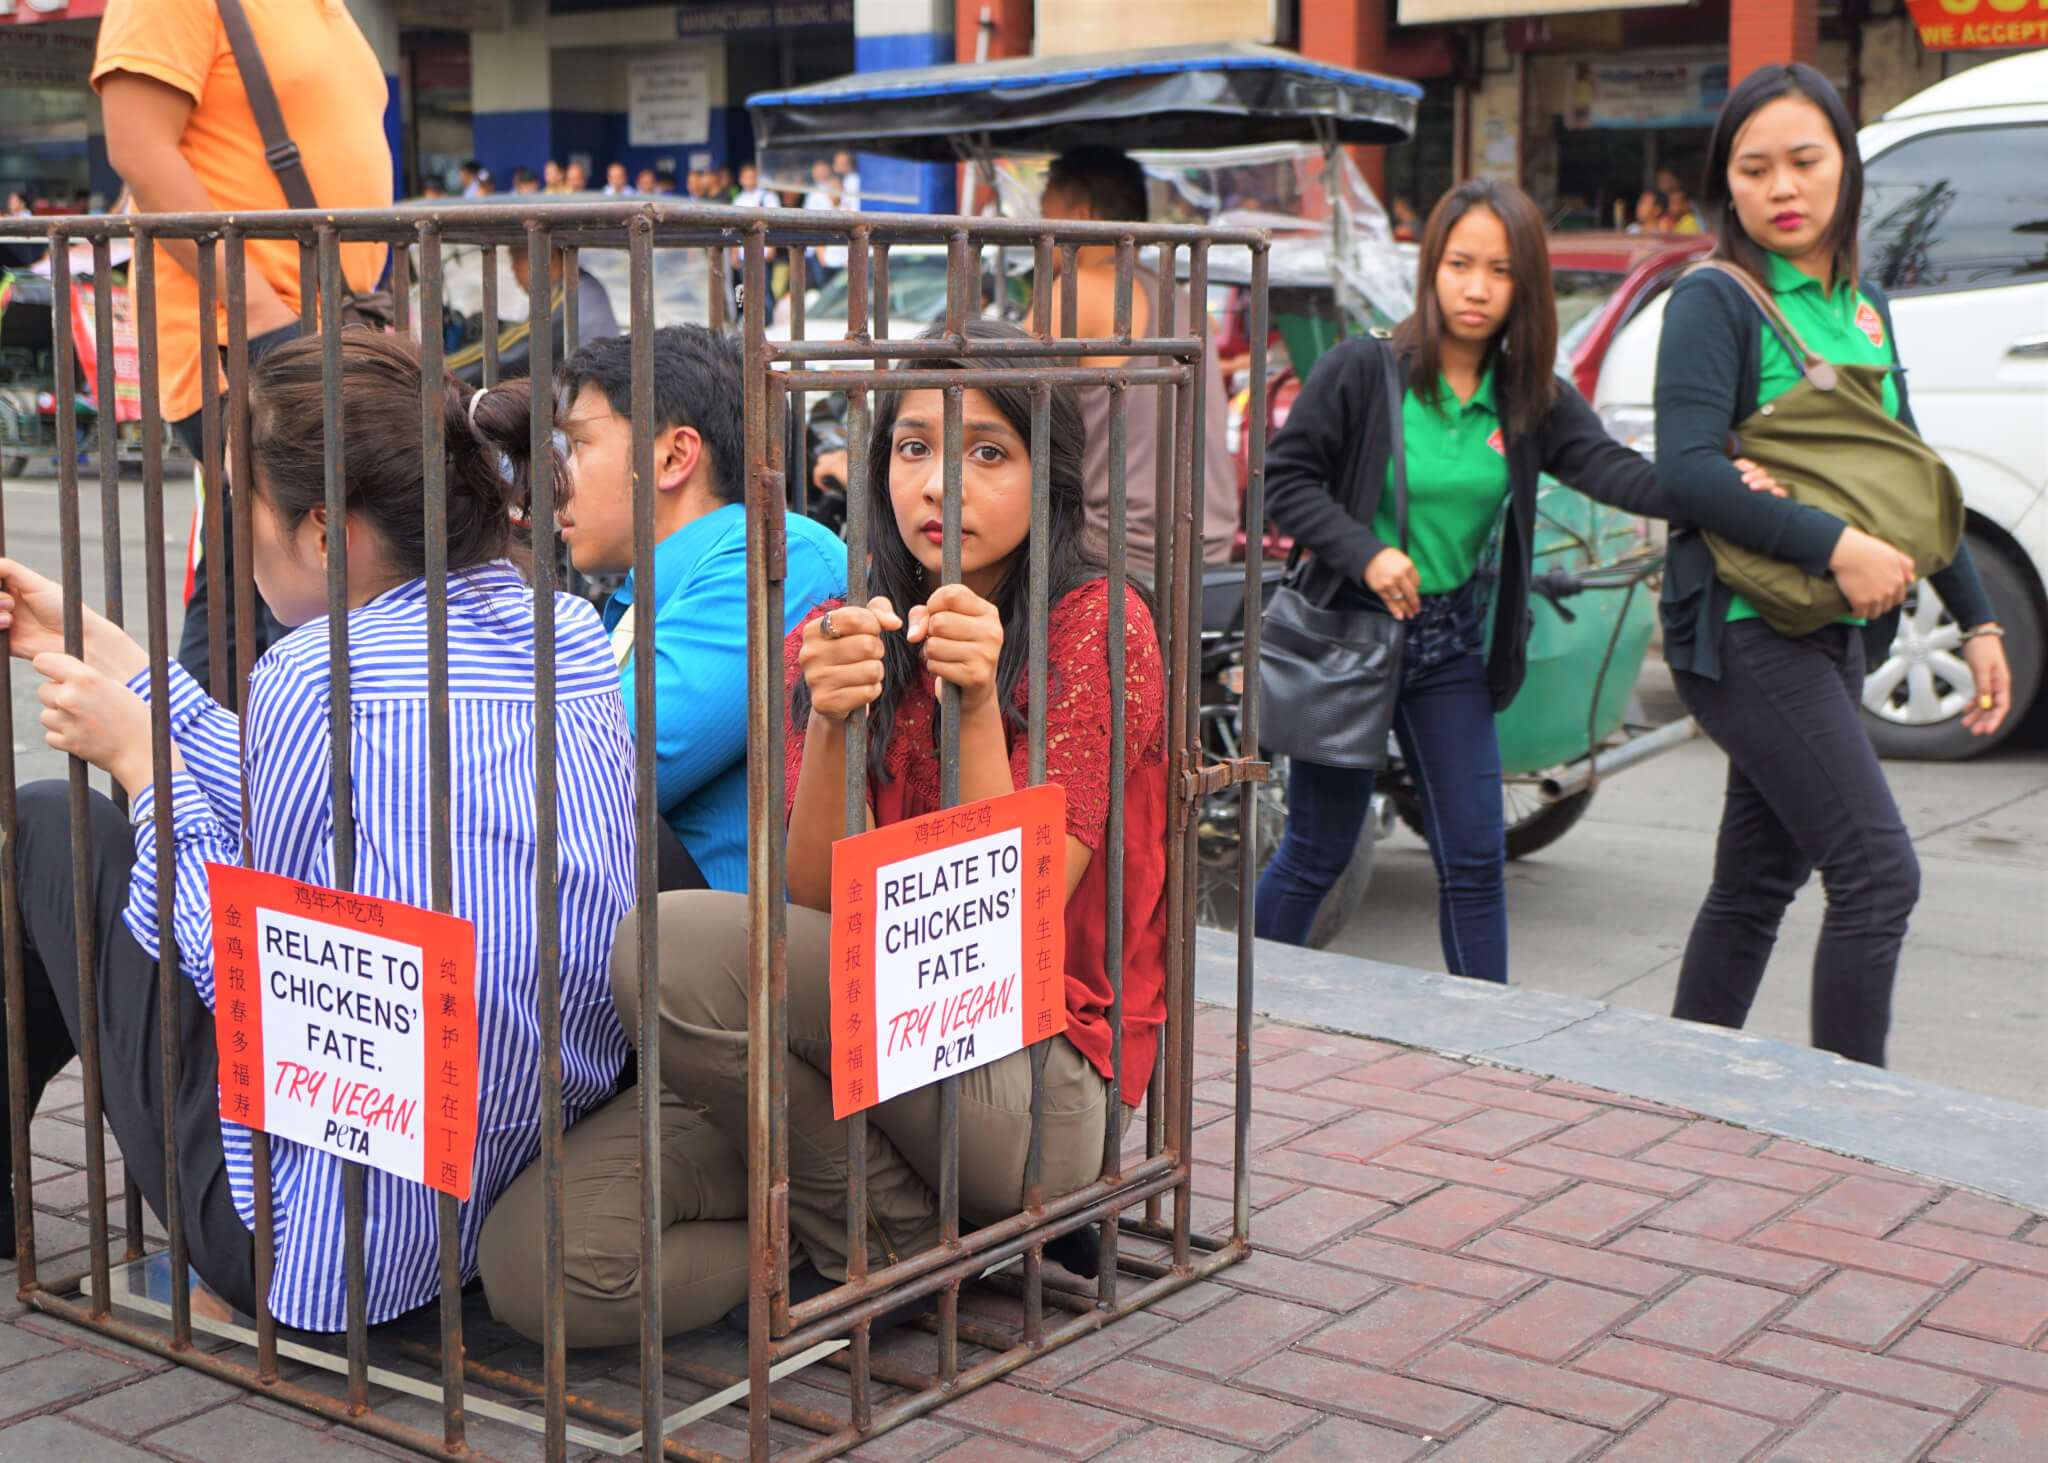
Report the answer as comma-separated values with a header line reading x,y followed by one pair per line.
x,y
1483,416
1784,189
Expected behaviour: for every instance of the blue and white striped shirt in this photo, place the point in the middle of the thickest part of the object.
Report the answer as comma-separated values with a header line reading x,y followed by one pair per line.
x,y
491,727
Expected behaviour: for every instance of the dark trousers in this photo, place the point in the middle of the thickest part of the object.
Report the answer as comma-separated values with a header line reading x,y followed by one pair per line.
x,y
1805,792
1445,726
131,1065
195,645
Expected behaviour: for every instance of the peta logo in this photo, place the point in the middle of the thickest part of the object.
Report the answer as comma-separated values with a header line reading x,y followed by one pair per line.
x,y
1870,323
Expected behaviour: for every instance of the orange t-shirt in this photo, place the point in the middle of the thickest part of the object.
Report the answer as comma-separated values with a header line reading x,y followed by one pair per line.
x,y
331,90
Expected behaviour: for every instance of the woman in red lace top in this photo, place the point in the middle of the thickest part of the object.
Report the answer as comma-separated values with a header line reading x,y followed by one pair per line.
x,y
887,655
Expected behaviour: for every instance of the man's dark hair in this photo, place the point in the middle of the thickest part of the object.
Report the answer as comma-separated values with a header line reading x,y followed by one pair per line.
x,y
698,375
1105,179
524,175
473,165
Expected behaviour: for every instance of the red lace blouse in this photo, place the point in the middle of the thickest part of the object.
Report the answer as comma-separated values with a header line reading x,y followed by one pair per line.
x,y
1077,758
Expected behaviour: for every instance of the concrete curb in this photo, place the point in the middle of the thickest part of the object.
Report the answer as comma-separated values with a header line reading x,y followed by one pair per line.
x,y
1997,1148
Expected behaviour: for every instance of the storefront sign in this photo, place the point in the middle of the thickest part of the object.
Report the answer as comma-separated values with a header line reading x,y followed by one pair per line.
x,y
347,1023
1961,25
668,101
1675,94
1437,12
731,19
948,944
1076,27
28,12
39,60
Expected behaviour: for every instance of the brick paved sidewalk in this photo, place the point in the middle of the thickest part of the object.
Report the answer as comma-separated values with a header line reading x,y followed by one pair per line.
x,y
1459,1262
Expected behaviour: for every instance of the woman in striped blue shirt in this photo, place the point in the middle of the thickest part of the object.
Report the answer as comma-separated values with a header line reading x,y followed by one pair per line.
x,y
96,708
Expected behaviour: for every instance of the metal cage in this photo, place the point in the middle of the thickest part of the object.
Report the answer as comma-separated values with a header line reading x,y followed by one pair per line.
x,y
1143,1201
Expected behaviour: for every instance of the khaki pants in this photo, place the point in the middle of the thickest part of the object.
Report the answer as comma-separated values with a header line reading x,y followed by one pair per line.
x,y
703,980
703,1244
704,1060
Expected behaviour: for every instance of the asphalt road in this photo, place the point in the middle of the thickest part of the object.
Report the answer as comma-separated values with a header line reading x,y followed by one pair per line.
x,y
1603,913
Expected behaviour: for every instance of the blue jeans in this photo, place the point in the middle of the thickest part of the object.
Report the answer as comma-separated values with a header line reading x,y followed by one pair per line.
x,y
1444,724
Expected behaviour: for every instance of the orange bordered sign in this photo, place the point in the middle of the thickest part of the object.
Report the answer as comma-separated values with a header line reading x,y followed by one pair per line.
x,y
347,1023
948,944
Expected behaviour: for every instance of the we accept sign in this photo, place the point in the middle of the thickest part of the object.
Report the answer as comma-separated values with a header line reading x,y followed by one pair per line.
x,y
948,944
347,1023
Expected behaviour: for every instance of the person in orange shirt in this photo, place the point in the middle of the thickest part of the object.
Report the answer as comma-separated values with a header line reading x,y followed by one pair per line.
x,y
181,135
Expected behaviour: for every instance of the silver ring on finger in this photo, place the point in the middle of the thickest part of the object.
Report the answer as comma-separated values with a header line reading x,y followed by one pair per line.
x,y
825,627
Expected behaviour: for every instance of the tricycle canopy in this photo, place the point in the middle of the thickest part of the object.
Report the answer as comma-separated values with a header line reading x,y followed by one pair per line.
x,y
1209,96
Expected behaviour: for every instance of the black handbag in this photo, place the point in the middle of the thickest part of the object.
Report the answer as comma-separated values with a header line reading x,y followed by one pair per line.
x,y
1330,678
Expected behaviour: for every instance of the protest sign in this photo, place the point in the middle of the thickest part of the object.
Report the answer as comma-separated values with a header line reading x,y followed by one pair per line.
x,y
347,1023
948,944
127,405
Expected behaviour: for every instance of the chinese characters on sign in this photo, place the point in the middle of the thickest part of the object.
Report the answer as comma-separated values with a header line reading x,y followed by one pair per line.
x,y
347,1023
948,944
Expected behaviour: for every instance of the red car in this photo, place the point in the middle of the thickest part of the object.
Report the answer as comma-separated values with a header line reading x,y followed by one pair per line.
x,y
1602,279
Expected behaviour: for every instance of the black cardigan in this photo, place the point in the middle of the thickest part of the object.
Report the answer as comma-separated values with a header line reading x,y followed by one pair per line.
x,y
1327,466
1708,365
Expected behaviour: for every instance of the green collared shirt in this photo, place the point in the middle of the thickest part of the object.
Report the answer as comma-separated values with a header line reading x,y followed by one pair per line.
x,y
1842,325
1457,482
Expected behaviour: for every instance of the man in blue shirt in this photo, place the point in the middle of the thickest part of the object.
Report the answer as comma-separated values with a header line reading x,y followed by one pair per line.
x,y
699,597
699,603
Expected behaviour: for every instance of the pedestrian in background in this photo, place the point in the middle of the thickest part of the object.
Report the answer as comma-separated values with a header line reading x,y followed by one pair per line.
x,y
1785,190
1679,217
181,134
615,184
1104,185
525,180
575,178
1481,416
552,178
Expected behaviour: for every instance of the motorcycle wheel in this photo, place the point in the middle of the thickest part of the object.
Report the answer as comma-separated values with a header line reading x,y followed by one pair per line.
x,y
1348,893
1531,823
1216,876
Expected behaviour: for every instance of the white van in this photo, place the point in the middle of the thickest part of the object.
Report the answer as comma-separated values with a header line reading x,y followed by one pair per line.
x,y
1955,231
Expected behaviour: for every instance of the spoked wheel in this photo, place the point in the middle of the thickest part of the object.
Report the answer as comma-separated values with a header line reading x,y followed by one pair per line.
x,y
1218,851
1218,845
1531,822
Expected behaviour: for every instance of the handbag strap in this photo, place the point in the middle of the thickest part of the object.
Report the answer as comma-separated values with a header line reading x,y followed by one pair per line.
x,y
1397,439
278,148
1819,371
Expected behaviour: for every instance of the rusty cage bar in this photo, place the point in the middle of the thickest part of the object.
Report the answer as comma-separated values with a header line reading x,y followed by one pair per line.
x,y
995,1302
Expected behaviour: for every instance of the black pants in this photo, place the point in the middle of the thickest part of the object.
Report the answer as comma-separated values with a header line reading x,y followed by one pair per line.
x,y
131,1067
1805,792
195,646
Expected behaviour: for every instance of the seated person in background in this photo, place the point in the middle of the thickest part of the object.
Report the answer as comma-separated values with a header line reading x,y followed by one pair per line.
x,y
1103,184
594,321
491,636
699,601
1652,215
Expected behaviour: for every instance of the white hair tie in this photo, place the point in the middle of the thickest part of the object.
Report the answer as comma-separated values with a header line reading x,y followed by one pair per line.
x,y
476,397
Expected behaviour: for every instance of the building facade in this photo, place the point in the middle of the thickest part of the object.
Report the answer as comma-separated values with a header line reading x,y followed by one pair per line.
x,y
1582,106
